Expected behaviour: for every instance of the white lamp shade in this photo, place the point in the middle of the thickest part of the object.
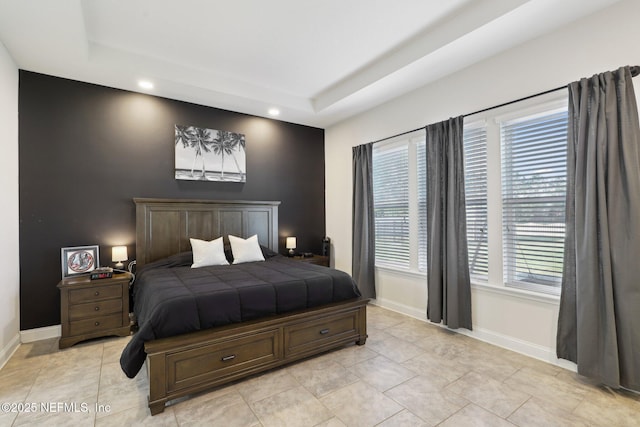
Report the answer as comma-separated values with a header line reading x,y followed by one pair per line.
x,y
119,253
291,243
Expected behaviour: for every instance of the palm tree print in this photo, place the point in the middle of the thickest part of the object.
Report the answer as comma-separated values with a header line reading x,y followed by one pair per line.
x,y
211,147
239,145
197,139
184,134
201,143
226,143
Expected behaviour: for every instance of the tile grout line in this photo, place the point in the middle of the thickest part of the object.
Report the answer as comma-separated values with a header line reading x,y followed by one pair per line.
x,y
95,415
518,408
35,379
250,408
469,403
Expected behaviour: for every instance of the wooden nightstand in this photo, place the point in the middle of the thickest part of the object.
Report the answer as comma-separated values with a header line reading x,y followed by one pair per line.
x,y
94,308
315,259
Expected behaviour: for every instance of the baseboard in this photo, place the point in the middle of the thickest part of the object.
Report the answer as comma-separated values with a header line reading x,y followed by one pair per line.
x,y
37,334
9,349
527,348
401,308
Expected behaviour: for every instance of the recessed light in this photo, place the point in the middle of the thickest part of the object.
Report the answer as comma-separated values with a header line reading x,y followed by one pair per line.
x,y
145,84
274,112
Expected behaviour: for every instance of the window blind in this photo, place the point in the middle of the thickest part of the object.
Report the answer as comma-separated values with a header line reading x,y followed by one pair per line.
x,y
475,187
391,205
421,151
533,200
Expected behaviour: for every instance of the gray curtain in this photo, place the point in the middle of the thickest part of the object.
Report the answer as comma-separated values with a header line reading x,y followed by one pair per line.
x,y
599,321
363,223
449,289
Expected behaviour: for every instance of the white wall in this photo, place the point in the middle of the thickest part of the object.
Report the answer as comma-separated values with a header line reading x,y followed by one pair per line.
x,y
9,243
600,42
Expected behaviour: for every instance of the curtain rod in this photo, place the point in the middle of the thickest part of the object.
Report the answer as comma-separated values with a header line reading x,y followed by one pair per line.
x,y
635,71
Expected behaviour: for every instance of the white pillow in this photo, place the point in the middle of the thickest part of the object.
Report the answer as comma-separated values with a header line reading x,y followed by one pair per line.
x,y
208,253
245,250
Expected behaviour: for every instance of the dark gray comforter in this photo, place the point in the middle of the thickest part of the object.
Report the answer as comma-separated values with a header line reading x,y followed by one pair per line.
x,y
170,298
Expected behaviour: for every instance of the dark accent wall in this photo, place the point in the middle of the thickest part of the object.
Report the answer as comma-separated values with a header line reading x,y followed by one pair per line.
x,y
86,151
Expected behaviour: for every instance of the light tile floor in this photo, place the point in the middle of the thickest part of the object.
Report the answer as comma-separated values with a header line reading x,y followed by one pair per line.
x,y
409,373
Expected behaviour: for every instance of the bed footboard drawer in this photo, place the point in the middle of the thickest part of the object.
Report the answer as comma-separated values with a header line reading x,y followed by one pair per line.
x,y
219,360
327,331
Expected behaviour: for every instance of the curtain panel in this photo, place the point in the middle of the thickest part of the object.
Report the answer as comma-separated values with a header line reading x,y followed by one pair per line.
x,y
363,221
599,320
448,284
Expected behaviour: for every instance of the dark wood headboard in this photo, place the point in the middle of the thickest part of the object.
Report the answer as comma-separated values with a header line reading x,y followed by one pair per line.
x,y
164,226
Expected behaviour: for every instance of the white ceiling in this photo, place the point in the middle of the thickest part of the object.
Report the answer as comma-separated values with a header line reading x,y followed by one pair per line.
x,y
317,61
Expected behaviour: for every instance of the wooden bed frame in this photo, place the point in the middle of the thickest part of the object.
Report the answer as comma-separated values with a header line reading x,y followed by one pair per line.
x,y
197,361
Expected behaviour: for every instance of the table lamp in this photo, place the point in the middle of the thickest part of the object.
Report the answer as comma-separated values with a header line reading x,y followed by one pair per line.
x,y
119,254
291,245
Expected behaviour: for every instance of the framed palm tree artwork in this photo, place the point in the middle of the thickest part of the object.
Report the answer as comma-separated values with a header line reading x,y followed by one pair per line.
x,y
209,155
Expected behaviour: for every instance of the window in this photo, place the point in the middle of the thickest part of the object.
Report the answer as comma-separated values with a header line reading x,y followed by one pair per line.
x,y
391,205
399,197
533,199
515,179
475,187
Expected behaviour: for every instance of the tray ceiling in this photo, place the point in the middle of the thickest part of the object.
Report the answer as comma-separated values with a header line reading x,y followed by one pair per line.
x,y
318,62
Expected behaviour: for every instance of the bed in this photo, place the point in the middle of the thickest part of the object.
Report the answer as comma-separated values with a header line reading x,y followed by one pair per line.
x,y
228,322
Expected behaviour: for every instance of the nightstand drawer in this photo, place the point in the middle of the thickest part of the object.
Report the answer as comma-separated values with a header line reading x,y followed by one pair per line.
x,y
94,309
306,336
102,323
315,259
96,293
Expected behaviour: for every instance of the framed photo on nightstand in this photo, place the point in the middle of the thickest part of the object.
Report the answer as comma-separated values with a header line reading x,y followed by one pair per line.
x,y
79,260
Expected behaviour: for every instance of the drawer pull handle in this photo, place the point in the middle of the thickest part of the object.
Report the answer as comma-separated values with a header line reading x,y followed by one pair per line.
x,y
97,308
227,358
324,332
97,323
97,293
